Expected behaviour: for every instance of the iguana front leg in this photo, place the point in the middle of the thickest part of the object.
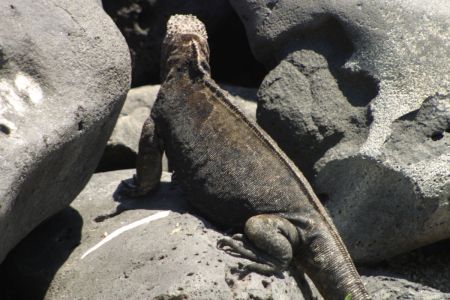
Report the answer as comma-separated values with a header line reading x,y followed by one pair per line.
x,y
275,239
148,163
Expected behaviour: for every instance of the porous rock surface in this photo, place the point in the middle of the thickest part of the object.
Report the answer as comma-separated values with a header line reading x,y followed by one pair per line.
x,y
386,288
64,74
122,147
174,257
358,97
427,266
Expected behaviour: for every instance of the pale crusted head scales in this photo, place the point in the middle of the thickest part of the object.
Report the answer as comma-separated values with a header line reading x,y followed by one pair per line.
x,y
185,24
185,39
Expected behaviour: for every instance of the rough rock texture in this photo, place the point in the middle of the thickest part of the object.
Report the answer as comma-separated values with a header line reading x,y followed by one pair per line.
x,y
399,200
343,101
427,266
143,23
64,74
122,147
172,256
387,288
302,106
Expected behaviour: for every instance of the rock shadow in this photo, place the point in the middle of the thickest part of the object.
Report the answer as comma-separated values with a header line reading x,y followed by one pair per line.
x,y
325,104
231,59
116,157
429,266
31,266
168,196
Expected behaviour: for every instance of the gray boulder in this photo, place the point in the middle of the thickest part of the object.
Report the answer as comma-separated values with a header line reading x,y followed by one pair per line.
x,y
173,257
358,97
398,200
64,76
122,148
302,107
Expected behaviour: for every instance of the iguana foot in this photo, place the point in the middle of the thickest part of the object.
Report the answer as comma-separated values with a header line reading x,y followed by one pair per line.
x,y
239,246
130,189
269,241
244,269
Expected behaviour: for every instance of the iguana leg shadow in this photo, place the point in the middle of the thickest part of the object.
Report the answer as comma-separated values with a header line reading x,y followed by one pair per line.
x,y
275,239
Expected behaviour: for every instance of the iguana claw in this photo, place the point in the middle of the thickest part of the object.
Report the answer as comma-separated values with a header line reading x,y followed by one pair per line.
x,y
238,246
235,247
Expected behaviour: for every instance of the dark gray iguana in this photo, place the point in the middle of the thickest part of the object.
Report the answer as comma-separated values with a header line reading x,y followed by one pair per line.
x,y
234,174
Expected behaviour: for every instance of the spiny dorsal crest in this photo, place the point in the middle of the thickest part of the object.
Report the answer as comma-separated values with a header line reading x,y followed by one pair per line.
x,y
185,24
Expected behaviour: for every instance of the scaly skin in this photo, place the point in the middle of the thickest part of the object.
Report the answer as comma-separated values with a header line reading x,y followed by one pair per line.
x,y
234,174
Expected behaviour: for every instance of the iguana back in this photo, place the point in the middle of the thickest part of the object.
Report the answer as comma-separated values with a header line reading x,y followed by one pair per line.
x,y
229,171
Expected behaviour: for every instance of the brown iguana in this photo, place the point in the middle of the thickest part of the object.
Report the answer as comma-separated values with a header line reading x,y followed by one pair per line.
x,y
234,174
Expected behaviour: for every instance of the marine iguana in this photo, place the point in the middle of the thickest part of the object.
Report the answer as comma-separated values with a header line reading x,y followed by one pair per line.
x,y
234,174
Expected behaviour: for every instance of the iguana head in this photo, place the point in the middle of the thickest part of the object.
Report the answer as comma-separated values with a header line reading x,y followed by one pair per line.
x,y
185,45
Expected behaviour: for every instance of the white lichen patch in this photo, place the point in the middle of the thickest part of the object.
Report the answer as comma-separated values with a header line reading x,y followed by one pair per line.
x,y
27,85
7,123
17,96
9,99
